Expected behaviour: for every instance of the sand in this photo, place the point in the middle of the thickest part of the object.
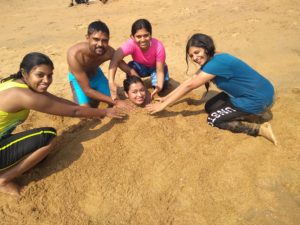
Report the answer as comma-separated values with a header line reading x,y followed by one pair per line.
x,y
171,168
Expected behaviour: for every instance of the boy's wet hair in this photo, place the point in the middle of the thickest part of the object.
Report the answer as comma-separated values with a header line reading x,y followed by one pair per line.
x,y
29,61
131,80
140,24
97,26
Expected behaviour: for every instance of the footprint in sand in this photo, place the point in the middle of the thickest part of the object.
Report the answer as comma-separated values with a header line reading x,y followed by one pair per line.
x,y
79,27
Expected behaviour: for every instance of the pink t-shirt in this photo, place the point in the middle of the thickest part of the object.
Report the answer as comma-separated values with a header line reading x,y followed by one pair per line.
x,y
155,53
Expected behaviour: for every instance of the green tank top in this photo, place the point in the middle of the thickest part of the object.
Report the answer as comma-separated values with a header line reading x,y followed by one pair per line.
x,y
9,121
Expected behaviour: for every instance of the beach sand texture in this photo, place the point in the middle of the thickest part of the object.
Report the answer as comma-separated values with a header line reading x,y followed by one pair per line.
x,y
171,168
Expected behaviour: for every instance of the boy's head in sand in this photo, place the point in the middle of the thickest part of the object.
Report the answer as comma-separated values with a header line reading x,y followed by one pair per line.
x,y
135,90
98,37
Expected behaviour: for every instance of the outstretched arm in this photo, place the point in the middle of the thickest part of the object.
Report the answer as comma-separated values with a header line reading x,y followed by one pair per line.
x,y
51,104
162,99
63,100
187,86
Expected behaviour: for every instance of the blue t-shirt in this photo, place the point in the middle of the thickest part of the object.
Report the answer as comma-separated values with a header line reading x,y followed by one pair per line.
x,y
248,90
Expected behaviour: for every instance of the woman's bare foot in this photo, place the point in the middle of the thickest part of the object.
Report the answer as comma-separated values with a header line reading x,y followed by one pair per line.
x,y
266,131
10,188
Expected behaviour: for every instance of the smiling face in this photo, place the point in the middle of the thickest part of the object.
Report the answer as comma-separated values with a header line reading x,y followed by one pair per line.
x,y
39,78
198,55
142,37
98,42
136,93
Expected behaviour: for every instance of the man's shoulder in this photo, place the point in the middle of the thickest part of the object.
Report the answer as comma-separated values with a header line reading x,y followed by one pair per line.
x,y
77,49
110,52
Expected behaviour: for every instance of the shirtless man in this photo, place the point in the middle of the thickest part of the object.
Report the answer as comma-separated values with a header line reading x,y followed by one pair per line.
x,y
89,84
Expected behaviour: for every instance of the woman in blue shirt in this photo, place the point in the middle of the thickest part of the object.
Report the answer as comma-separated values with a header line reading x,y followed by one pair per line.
x,y
246,96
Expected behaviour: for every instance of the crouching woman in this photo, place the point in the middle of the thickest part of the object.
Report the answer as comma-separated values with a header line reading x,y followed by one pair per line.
x,y
19,93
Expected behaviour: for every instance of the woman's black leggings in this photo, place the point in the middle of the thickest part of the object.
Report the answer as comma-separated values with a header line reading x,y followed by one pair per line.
x,y
17,146
222,114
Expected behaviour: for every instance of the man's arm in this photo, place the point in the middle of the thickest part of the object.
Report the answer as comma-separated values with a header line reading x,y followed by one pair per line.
x,y
83,80
127,69
113,66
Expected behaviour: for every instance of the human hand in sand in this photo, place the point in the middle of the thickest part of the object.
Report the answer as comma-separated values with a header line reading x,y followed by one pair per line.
x,y
155,107
115,113
122,104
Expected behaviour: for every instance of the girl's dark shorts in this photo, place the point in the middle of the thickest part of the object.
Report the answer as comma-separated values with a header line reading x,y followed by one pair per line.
x,y
17,146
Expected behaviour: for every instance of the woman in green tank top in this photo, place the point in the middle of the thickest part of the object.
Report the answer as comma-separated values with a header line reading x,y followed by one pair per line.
x,y
19,93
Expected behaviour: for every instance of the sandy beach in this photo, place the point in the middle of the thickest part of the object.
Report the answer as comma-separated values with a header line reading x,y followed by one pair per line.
x,y
170,168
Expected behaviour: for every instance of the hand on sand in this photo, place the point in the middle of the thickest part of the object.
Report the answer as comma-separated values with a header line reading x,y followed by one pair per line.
x,y
155,107
266,131
10,188
125,105
115,113
156,90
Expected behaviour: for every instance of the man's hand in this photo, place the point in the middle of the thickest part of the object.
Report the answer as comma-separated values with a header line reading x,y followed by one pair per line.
x,y
115,113
133,73
125,105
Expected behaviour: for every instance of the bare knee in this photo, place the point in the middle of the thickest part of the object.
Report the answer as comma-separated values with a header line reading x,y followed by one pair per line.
x,y
48,148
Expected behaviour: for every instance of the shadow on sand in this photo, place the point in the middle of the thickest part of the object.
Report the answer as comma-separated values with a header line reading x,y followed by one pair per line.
x,y
68,149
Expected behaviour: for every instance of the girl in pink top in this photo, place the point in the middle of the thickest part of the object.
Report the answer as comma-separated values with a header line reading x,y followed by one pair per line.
x,y
148,56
